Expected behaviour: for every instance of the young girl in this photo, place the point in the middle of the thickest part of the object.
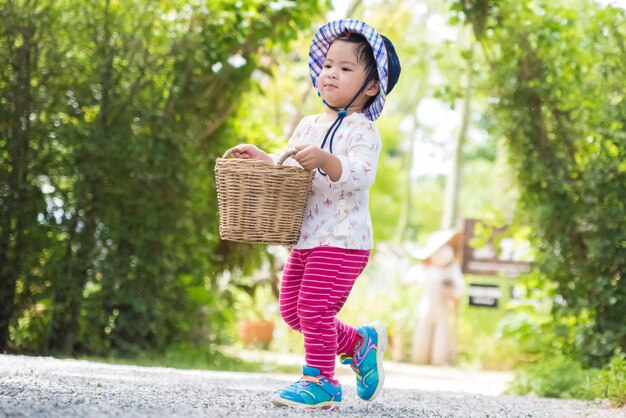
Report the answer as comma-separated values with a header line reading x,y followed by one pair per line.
x,y
353,69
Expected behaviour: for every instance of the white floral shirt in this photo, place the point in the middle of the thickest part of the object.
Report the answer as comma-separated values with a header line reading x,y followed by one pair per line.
x,y
337,213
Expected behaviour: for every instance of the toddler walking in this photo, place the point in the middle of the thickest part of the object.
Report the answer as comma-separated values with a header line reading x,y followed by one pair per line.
x,y
353,69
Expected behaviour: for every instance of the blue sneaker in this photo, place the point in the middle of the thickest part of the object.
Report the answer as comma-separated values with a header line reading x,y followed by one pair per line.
x,y
312,391
367,362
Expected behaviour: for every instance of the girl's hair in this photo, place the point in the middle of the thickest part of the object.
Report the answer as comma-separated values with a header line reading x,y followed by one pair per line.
x,y
364,56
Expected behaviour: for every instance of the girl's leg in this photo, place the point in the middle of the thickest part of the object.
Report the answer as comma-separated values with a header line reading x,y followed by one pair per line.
x,y
290,289
347,337
329,275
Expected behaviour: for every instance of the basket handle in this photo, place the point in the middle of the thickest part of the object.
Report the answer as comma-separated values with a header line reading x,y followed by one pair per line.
x,y
286,154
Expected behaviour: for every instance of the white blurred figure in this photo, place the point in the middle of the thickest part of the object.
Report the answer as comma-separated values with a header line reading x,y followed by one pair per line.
x,y
441,278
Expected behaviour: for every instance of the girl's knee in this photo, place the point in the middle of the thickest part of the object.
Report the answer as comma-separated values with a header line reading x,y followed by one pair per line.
x,y
309,319
291,318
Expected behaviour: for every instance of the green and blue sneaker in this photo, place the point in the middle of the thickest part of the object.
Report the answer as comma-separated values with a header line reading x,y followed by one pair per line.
x,y
367,362
312,391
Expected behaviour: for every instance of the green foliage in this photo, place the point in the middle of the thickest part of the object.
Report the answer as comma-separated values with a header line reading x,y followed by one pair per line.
x,y
610,383
255,296
563,378
112,115
533,334
557,71
480,342
187,356
556,378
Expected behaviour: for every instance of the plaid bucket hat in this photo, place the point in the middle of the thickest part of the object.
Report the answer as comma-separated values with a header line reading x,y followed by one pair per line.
x,y
387,62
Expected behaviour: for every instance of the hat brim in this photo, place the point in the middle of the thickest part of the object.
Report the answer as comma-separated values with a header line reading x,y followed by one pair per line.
x,y
325,37
437,240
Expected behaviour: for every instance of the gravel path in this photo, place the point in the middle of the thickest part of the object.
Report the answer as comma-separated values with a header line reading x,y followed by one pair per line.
x,y
47,387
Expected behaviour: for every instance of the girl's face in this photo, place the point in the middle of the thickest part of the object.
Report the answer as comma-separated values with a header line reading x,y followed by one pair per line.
x,y
342,76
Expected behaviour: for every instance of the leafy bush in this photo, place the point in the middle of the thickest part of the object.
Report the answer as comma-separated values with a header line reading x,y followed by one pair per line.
x,y
610,382
481,343
558,378
108,231
564,378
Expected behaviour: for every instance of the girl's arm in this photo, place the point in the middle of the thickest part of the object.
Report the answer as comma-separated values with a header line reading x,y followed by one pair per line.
x,y
361,162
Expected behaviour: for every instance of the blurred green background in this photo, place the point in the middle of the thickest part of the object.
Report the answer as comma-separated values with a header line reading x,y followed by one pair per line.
x,y
112,114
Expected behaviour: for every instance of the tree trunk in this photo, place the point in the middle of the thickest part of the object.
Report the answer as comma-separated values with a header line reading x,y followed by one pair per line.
x,y
451,203
407,207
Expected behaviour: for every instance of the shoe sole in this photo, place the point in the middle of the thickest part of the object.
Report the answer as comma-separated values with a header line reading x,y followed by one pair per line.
x,y
329,406
381,331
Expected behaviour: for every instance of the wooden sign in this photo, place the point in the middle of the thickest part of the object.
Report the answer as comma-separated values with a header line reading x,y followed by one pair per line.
x,y
509,257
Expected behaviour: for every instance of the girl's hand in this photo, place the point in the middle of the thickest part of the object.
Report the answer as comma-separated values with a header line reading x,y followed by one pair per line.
x,y
250,152
311,157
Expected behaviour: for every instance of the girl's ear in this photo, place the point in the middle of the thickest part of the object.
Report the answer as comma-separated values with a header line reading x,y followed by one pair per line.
x,y
372,88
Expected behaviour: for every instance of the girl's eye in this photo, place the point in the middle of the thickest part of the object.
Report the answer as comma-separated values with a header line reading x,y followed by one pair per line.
x,y
346,69
326,65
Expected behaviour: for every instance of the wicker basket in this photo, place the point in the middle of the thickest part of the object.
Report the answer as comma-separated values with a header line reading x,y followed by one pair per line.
x,y
261,202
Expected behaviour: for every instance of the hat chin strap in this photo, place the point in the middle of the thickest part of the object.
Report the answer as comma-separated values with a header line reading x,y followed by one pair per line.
x,y
341,114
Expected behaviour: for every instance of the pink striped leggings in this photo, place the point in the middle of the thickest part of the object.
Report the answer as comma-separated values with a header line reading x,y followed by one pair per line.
x,y
315,285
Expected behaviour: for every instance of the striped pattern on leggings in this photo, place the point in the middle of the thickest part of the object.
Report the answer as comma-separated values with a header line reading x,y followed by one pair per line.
x,y
315,285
